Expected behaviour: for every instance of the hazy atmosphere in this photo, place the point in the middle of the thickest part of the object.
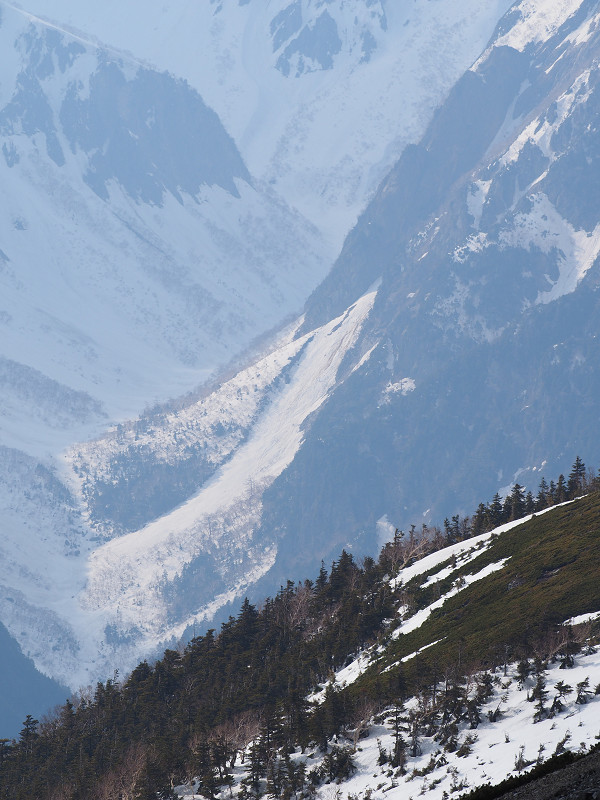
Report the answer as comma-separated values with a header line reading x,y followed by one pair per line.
x,y
299,380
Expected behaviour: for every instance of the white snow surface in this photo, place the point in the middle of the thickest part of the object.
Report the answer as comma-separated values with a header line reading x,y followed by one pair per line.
x,y
541,226
404,386
544,228
538,21
108,307
497,745
494,752
582,619
463,552
540,131
458,555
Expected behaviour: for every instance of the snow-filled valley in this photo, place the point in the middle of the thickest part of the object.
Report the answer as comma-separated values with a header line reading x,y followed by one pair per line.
x,y
106,593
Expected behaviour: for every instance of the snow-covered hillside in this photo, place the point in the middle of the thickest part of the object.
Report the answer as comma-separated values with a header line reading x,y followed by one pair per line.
x,y
510,745
320,99
470,729
136,256
508,741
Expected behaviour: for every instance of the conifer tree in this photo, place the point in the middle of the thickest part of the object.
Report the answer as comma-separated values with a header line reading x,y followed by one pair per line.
x,y
516,502
28,734
576,478
480,520
529,503
543,496
496,513
583,690
256,769
561,493
539,693
398,756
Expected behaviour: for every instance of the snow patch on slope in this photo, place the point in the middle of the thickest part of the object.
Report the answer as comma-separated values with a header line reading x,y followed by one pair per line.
x,y
582,619
404,386
543,227
541,131
585,31
538,21
423,615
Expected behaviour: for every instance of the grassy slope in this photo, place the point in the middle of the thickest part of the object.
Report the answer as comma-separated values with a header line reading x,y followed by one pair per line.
x,y
553,574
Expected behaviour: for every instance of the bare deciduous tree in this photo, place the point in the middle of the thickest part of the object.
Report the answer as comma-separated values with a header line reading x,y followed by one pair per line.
x,y
121,783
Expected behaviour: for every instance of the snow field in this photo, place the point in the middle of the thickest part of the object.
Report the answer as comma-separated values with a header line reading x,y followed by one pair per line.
x,y
497,749
497,745
537,22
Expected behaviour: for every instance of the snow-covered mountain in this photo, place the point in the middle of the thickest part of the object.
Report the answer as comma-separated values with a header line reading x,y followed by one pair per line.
x,y
482,343
469,288
153,225
320,98
453,343
137,256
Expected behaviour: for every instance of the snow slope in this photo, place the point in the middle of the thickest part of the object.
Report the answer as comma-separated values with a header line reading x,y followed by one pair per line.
x,y
483,345
125,573
108,603
497,747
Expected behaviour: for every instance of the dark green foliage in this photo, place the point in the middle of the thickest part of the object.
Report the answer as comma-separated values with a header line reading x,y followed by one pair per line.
x,y
583,691
191,713
577,476
338,765
551,574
